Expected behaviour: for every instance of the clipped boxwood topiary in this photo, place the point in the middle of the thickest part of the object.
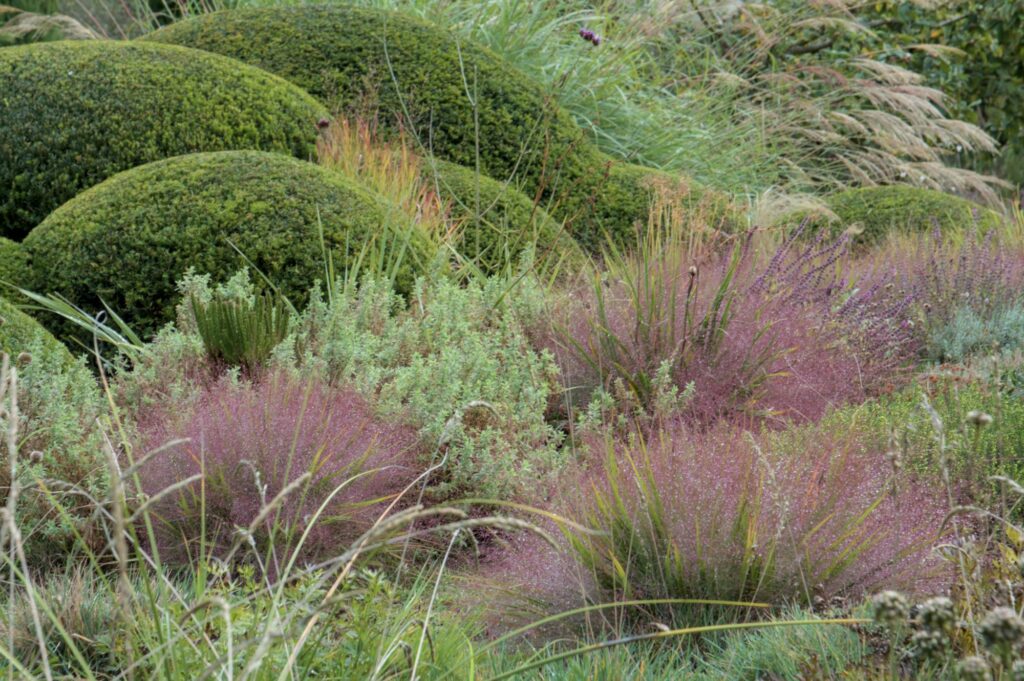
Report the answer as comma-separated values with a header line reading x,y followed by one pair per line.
x,y
872,212
497,221
13,263
463,102
20,333
74,113
129,239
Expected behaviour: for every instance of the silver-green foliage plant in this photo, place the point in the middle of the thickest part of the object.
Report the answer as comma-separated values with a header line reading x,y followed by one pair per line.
x,y
453,361
59,407
971,332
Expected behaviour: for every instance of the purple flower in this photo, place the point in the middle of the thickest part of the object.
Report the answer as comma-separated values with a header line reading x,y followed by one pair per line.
x,y
323,123
596,39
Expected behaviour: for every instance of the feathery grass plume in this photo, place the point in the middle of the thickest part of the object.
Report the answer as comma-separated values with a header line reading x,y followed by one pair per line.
x,y
787,336
720,515
391,168
252,443
18,26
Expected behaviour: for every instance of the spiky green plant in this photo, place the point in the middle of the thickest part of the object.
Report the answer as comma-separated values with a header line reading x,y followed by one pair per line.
x,y
242,332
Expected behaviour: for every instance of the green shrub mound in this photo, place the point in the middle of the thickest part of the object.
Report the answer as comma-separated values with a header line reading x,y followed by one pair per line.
x,y
74,113
13,263
128,240
20,333
497,221
428,79
872,212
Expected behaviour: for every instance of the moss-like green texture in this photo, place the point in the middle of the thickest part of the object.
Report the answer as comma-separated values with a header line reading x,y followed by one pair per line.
x,y
74,113
872,212
19,333
497,221
129,239
13,263
464,103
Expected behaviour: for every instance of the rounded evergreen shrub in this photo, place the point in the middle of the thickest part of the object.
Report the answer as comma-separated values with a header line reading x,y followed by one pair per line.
x,y
74,113
497,221
13,263
19,333
128,240
872,212
463,102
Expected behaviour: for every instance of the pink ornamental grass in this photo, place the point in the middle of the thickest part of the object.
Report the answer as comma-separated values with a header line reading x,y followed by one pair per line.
x,y
783,338
719,514
250,441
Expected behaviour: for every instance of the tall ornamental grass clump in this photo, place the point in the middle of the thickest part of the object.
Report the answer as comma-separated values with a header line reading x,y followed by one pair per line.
x,y
683,514
784,336
318,451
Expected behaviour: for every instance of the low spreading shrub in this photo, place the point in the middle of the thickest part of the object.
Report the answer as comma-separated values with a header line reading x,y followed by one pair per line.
x,y
720,515
251,442
870,213
455,363
127,241
75,113
63,461
902,424
461,101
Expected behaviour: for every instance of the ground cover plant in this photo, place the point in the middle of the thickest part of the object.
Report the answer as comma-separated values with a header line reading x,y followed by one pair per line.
x,y
459,340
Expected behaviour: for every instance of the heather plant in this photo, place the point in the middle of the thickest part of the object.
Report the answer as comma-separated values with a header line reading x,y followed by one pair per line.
x,y
320,449
784,336
455,363
718,515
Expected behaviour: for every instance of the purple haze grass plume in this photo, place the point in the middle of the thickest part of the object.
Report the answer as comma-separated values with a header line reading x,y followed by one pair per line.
x,y
748,518
252,441
794,335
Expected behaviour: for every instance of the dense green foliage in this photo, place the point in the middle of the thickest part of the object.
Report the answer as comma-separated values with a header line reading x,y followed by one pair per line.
x,y
496,221
872,212
13,262
462,101
18,331
982,71
128,240
75,113
902,422
456,363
